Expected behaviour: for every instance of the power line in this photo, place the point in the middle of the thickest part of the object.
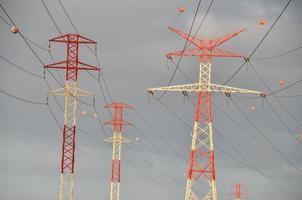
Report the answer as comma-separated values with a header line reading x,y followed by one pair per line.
x,y
279,152
147,175
161,138
52,19
54,117
237,123
284,107
253,166
22,99
290,96
162,153
163,171
279,55
272,93
204,17
259,44
20,68
5,21
69,18
23,37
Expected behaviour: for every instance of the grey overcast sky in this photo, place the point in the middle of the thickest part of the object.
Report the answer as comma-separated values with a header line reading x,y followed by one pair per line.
x,y
133,38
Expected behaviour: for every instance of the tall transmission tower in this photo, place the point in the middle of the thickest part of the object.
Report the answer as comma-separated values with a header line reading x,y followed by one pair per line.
x,y
71,92
239,192
117,139
201,160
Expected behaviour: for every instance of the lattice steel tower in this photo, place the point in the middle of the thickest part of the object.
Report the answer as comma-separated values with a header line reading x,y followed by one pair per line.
x,y
71,92
239,192
201,161
117,139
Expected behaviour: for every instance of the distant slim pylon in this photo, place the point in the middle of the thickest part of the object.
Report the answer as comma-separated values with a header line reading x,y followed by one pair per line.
x,y
71,92
239,192
202,159
117,139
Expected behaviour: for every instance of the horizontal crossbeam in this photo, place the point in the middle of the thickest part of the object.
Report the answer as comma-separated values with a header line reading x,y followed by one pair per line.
x,y
201,87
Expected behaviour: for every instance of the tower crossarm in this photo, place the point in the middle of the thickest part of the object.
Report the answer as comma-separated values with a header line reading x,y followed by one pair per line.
x,y
218,41
117,139
63,65
65,91
72,38
201,87
216,52
230,90
196,41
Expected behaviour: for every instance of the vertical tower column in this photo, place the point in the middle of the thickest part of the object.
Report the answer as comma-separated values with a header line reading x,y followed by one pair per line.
x,y
201,160
72,65
117,141
69,130
239,192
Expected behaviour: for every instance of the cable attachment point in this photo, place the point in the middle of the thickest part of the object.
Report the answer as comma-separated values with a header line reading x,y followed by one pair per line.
x,y
150,92
247,59
169,57
227,94
185,93
263,95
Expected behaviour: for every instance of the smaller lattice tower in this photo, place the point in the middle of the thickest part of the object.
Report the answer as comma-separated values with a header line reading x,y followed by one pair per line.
x,y
117,139
239,191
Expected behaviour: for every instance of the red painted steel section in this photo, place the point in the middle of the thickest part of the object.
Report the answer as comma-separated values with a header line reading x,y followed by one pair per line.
x,y
205,49
202,163
118,121
238,191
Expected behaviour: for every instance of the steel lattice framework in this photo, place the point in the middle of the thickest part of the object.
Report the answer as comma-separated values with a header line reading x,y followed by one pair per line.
x,y
71,92
202,157
117,139
239,192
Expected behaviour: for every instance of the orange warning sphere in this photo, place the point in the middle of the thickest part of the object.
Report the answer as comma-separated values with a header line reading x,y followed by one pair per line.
x,y
281,82
14,29
301,136
181,8
252,108
262,22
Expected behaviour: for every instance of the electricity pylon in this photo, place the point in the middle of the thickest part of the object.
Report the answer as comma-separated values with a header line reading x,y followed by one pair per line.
x,y
71,92
239,192
201,161
117,139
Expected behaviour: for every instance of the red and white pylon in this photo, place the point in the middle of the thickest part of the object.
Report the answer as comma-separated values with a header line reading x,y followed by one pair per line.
x,y
71,92
202,155
239,192
117,139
